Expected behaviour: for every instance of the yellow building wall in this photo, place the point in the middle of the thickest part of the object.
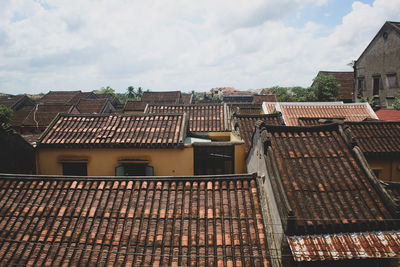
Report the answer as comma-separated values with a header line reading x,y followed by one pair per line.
x,y
102,162
240,159
389,170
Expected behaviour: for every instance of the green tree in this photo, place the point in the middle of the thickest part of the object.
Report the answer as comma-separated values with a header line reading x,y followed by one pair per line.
x,y
131,92
301,94
396,103
139,92
283,94
5,115
325,88
107,90
368,100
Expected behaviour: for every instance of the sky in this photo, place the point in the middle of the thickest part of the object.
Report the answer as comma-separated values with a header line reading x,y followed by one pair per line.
x,y
181,44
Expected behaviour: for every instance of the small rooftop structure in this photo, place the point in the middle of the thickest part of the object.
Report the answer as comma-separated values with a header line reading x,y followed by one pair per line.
x,y
346,81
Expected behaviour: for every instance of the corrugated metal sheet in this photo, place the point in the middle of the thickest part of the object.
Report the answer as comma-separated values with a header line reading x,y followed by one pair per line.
x,y
345,246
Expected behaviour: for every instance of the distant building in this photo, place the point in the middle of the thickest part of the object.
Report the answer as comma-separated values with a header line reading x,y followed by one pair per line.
x,y
66,97
16,102
346,81
163,97
377,70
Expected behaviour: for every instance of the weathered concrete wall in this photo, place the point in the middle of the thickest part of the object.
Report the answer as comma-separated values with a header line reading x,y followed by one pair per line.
x,y
381,58
256,162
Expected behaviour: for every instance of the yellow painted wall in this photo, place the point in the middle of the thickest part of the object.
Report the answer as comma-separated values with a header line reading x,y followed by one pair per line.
x,y
240,158
102,162
389,169
220,136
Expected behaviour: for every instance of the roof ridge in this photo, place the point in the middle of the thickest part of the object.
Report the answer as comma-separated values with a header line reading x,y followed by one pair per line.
x,y
244,176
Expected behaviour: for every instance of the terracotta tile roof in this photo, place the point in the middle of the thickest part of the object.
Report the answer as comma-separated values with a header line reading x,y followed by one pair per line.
x,y
197,221
65,97
92,106
20,115
317,169
10,100
202,118
247,125
291,112
377,138
231,99
26,116
246,109
187,99
113,99
346,81
345,246
259,99
169,98
269,107
388,114
149,130
137,106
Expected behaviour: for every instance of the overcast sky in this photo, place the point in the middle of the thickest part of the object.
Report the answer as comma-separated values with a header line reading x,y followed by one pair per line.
x,y
181,44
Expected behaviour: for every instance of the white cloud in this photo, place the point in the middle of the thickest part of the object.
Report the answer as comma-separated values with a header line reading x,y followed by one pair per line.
x,y
174,45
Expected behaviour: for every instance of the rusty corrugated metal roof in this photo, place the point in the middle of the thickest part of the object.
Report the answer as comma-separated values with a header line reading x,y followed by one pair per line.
x,y
345,246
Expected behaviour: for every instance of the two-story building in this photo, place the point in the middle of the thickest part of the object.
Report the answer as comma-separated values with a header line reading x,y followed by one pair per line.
x,y
377,69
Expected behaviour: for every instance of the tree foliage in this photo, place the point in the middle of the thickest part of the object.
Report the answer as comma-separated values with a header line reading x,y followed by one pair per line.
x,y
107,90
5,115
325,88
396,103
368,100
293,94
